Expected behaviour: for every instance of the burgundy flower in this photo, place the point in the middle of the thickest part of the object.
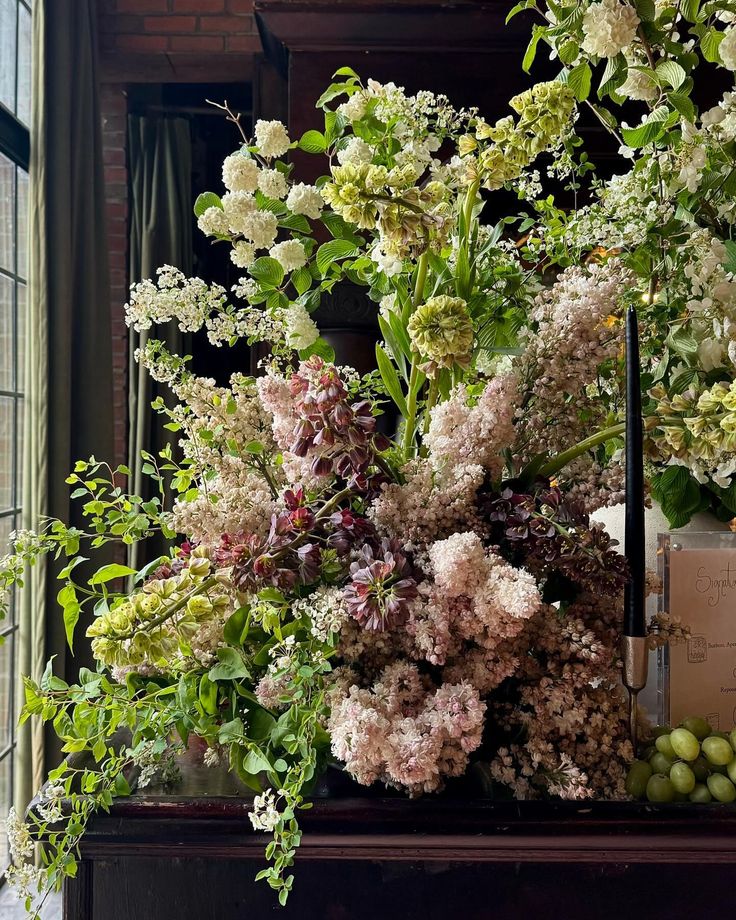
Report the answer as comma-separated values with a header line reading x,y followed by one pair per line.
x,y
381,586
349,529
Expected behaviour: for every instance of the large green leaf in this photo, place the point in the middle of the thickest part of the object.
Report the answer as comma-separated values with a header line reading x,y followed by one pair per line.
x,y
109,572
267,271
391,380
313,142
231,665
206,200
332,251
579,80
649,130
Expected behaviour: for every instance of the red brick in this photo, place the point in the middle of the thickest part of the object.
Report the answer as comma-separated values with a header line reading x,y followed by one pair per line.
x,y
169,23
141,43
143,6
116,174
225,24
113,156
199,6
196,43
240,7
244,43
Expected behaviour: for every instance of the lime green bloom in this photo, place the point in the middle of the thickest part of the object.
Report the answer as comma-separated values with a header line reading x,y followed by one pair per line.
x,y
441,331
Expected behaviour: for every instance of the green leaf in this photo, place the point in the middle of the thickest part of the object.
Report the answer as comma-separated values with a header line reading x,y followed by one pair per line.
x,y
579,80
313,142
683,104
345,72
649,130
231,665
256,762
236,628
109,572
646,10
519,8
260,724
331,251
690,10
231,731
267,271
338,227
709,45
391,380
208,695
531,48
321,348
614,75
206,200
67,598
671,73
302,280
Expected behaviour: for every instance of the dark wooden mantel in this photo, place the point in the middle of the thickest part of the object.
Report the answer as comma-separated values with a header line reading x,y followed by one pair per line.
x,y
190,853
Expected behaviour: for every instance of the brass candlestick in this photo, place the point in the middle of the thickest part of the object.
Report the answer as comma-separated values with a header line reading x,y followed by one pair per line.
x,y
635,654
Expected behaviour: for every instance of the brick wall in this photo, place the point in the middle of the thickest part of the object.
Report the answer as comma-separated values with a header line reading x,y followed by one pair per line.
x,y
156,41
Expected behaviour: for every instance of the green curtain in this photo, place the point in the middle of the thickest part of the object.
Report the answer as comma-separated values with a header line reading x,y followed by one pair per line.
x,y
160,164
68,375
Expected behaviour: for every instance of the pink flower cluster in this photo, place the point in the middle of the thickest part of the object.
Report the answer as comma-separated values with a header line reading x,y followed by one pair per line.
x,y
406,733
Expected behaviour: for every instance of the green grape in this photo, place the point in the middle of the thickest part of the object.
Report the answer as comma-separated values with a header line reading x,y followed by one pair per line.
x,y
648,752
660,763
637,779
699,726
660,789
731,770
732,738
682,778
685,744
701,794
664,746
721,788
717,750
701,769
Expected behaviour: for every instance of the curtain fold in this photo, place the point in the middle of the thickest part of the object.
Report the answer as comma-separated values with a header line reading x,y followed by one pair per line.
x,y
160,168
68,374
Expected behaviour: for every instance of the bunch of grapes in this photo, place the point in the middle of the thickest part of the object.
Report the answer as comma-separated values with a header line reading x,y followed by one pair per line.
x,y
688,763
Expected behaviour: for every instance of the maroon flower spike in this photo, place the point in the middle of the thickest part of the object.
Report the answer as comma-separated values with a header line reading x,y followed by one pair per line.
x,y
381,586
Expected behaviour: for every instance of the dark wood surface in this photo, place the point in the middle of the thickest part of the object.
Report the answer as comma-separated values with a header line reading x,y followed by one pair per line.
x,y
189,852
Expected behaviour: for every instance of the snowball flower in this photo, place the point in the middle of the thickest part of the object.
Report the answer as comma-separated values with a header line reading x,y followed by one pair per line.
x,y
239,208
638,86
608,28
272,139
240,173
710,354
243,254
213,222
290,254
356,151
272,183
727,49
305,199
301,331
260,227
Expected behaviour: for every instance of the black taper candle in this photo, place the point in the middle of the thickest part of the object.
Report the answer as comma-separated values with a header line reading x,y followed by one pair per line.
x,y
634,617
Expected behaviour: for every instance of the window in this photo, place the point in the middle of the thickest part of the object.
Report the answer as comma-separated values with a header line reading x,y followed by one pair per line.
x,y
15,96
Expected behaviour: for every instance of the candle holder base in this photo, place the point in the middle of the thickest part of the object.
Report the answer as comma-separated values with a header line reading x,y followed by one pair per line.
x,y
635,655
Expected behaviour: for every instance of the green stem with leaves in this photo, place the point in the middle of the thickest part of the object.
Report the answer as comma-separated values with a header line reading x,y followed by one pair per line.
x,y
410,423
555,464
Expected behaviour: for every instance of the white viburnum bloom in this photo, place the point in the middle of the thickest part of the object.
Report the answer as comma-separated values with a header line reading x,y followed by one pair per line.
x,y
240,173
638,86
290,254
305,199
354,108
243,254
388,263
301,330
272,183
713,116
356,151
272,138
711,354
238,208
727,49
609,27
213,222
261,227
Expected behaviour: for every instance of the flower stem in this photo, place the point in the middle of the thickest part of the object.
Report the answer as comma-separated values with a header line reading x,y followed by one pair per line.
x,y
410,423
555,464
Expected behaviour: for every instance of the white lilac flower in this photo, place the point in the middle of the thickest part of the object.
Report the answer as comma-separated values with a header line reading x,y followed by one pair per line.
x,y
189,300
213,222
609,27
301,331
243,254
272,183
305,199
260,227
356,151
238,208
290,254
272,139
727,49
240,173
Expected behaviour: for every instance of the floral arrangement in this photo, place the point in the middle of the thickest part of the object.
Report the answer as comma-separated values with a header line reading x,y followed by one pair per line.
x,y
405,599
669,219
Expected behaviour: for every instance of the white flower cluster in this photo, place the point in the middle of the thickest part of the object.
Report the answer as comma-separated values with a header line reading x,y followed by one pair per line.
x,y
189,300
326,610
240,173
305,199
638,85
272,138
727,49
290,254
609,27
23,877
264,815
300,329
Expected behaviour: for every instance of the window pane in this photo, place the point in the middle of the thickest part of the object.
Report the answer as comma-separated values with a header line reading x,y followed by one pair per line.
x,y
7,212
22,233
6,691
7,451
6,333
8,10
5,803
7,526
24,65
